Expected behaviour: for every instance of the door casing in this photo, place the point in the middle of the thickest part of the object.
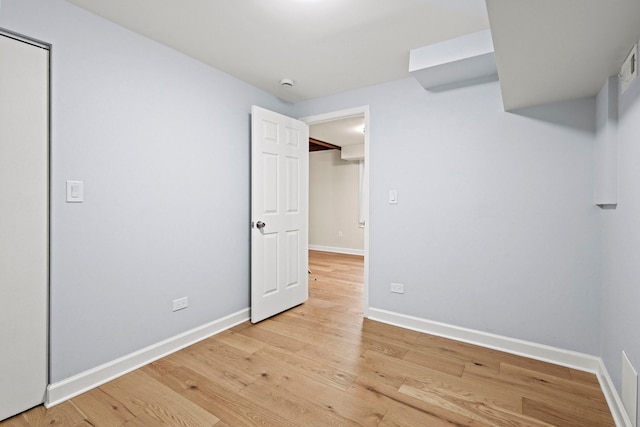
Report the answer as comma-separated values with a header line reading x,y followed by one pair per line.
x,y
343,114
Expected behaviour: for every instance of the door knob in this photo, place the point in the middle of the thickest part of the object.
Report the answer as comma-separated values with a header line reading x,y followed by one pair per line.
x,y
261,225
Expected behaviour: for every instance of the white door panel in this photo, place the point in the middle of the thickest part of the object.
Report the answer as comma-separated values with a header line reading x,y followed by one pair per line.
x,y
24,222
279,199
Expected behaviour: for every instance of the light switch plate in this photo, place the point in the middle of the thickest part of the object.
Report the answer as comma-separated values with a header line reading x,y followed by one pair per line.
x,y
75,191
393,197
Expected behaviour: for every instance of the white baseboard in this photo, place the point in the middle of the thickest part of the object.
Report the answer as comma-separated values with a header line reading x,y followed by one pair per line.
x,y
85,381
545,353
336,250
614,400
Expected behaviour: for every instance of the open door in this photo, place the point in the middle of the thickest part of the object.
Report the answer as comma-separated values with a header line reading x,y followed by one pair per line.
x,y
279,213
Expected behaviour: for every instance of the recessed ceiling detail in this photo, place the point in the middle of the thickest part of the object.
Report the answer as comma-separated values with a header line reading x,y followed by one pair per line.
x,y
453,62
549,51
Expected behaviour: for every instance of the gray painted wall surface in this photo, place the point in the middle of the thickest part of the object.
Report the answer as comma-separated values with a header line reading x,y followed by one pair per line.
x,y
621,246
161,142
334,185
495,227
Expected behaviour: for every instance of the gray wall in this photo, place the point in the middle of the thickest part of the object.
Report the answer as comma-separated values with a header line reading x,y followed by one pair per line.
x,y
495,228
334,185
161,142
621,245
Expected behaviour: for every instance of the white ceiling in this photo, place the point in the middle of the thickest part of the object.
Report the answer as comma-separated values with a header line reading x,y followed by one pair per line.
x,y
325,46
340,132
554,50
546,50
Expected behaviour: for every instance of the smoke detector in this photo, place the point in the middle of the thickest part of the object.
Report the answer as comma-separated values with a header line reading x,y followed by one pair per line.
x,y
286,83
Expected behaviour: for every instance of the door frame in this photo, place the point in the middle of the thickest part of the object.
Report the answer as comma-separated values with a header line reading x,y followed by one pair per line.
x,y
344,114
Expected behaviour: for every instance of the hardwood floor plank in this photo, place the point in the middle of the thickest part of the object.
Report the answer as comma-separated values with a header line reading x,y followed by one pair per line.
x,y
300,410
471,407
320,372
538,393
143,395
389,394
327,330
277,339
436,363
290,329
338,355
460,391
392,332
325,319
409,417
472,356
239,341
326,403
400,410
220,401
562,415
65,414
400,369
145,420
586,378
553,387
230,376
100,408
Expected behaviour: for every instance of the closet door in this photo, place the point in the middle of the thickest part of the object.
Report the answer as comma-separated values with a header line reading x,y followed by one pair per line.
x,y
24,224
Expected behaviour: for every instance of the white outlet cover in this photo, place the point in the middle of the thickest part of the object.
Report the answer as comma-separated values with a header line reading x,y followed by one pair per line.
x,y
180,303
397,288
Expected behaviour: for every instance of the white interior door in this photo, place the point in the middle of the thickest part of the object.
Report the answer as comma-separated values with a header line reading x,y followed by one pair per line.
x,y
279,213
24,222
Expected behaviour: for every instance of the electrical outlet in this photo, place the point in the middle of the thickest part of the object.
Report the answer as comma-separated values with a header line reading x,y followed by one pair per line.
x,y
180,303
397,288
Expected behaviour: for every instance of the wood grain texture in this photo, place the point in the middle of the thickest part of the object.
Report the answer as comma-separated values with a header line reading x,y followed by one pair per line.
x,y
322,364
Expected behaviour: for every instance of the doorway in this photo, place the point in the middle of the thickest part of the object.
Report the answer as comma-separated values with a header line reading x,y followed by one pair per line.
x,y
336,169
364,199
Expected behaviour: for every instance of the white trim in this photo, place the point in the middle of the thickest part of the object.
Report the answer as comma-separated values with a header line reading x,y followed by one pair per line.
x,y
25,39
337,250
618,412
545,353
87,380
342,114
336,115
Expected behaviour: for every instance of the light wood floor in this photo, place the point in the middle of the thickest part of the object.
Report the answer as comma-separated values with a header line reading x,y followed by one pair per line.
x,y
321,364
